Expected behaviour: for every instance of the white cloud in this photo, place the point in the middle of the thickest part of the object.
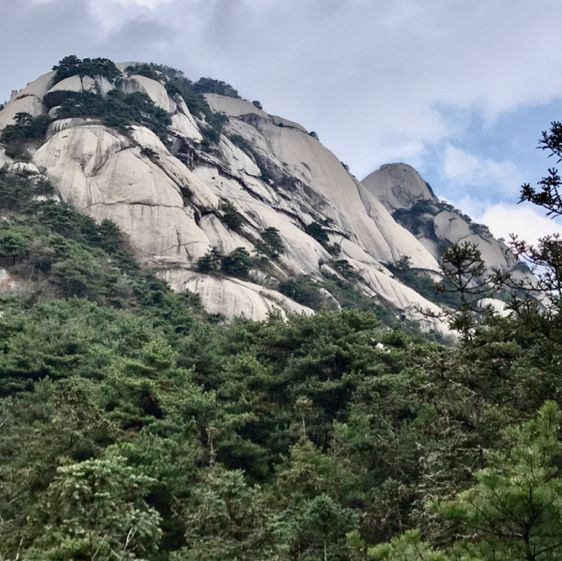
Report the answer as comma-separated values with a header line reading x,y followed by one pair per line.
x,y
527,222
371,76
465,169
413,153
504,219
147,3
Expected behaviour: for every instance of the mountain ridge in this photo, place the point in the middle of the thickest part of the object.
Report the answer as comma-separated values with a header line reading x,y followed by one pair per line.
x,y
436,223
189,174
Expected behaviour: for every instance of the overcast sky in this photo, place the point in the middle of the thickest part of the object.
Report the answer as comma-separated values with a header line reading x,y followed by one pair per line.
x,y
460,89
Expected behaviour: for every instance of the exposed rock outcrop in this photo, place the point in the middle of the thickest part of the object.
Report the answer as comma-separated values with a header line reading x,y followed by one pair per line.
x,y
435,223
398,186
246,180
28,100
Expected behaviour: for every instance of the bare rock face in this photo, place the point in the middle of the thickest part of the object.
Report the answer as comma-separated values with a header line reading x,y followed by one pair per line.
x,y
105,174
398,186
234,297
76,84
28,100
181,194
435,223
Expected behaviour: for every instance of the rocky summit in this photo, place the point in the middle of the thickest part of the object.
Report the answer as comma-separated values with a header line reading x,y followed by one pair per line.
x,y
435,223
247,209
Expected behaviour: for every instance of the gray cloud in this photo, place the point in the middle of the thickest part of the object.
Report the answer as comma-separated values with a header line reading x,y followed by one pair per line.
x,y
370,76
123,44
33,35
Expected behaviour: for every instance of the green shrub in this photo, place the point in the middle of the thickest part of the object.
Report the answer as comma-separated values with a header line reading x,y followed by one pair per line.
x,y
343,267
14,244
209,85
215,125
231,217
20,194
422,283
18,151
210,262
316,231
238,263
73,66
241,142
81,275
347,295
271,243
147,70
177,84
17,192
66,221
303,290
150,153
26,128
117,109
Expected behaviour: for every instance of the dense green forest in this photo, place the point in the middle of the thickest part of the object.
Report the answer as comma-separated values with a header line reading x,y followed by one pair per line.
x,y
133,425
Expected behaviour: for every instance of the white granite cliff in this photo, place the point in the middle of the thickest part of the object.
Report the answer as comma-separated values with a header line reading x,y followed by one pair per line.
x,y
169,197
436,224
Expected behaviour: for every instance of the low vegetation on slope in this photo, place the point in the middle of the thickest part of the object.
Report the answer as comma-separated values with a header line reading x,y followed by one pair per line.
x,y
74,66
117,108
133,426
191,92
319,272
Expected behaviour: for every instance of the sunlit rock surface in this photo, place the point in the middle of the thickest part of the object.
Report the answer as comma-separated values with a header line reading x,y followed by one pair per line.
x,y
172,194
435,223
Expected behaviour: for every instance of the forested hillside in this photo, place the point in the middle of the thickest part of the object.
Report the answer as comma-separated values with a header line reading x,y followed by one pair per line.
x,y
137,424
133,425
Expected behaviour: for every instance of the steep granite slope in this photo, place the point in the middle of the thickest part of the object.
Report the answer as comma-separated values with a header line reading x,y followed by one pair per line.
x,y
215,194
435,224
